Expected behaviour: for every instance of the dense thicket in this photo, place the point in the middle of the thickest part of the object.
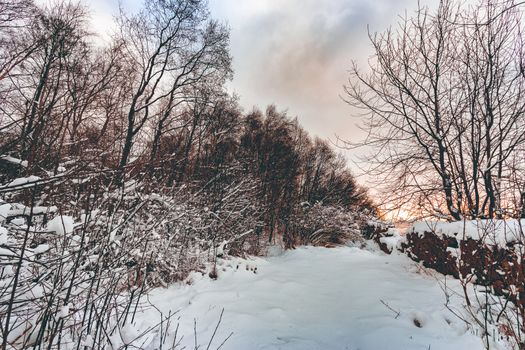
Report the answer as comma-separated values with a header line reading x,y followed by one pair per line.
x,y
151,106
128,165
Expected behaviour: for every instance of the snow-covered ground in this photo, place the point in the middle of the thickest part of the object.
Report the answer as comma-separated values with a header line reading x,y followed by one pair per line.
x,y
316,298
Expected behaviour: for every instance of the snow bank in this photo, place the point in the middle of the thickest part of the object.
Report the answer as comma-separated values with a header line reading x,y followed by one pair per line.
x,y
490,232
14,210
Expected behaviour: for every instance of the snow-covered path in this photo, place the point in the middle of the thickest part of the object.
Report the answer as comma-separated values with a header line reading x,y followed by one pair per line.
x,y
316,298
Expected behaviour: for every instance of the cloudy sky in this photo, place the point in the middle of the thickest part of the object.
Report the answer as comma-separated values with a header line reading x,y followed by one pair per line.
x,y
294,53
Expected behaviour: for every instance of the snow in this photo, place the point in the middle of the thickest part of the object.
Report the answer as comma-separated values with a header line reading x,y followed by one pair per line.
x,y
220,248
3,235
4,211
379,224
64,311
23,181
88,341
491,232
81,181
6,252
13,210
316,298
18,222
392,239
14,160
61,225
41,248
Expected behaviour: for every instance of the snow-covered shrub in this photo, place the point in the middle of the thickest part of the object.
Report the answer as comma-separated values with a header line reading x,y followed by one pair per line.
x,y
58,286
173,235
327,225
76,272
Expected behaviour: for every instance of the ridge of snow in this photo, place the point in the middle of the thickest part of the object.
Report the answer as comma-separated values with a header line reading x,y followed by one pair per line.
x,y
14,160
491,232
10,210
23,181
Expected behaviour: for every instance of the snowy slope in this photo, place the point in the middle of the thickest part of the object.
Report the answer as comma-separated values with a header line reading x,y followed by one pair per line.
x,y
317,298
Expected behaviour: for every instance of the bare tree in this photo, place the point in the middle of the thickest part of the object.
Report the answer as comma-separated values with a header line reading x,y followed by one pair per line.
x,y
444,101
16,17
171,45
39,87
